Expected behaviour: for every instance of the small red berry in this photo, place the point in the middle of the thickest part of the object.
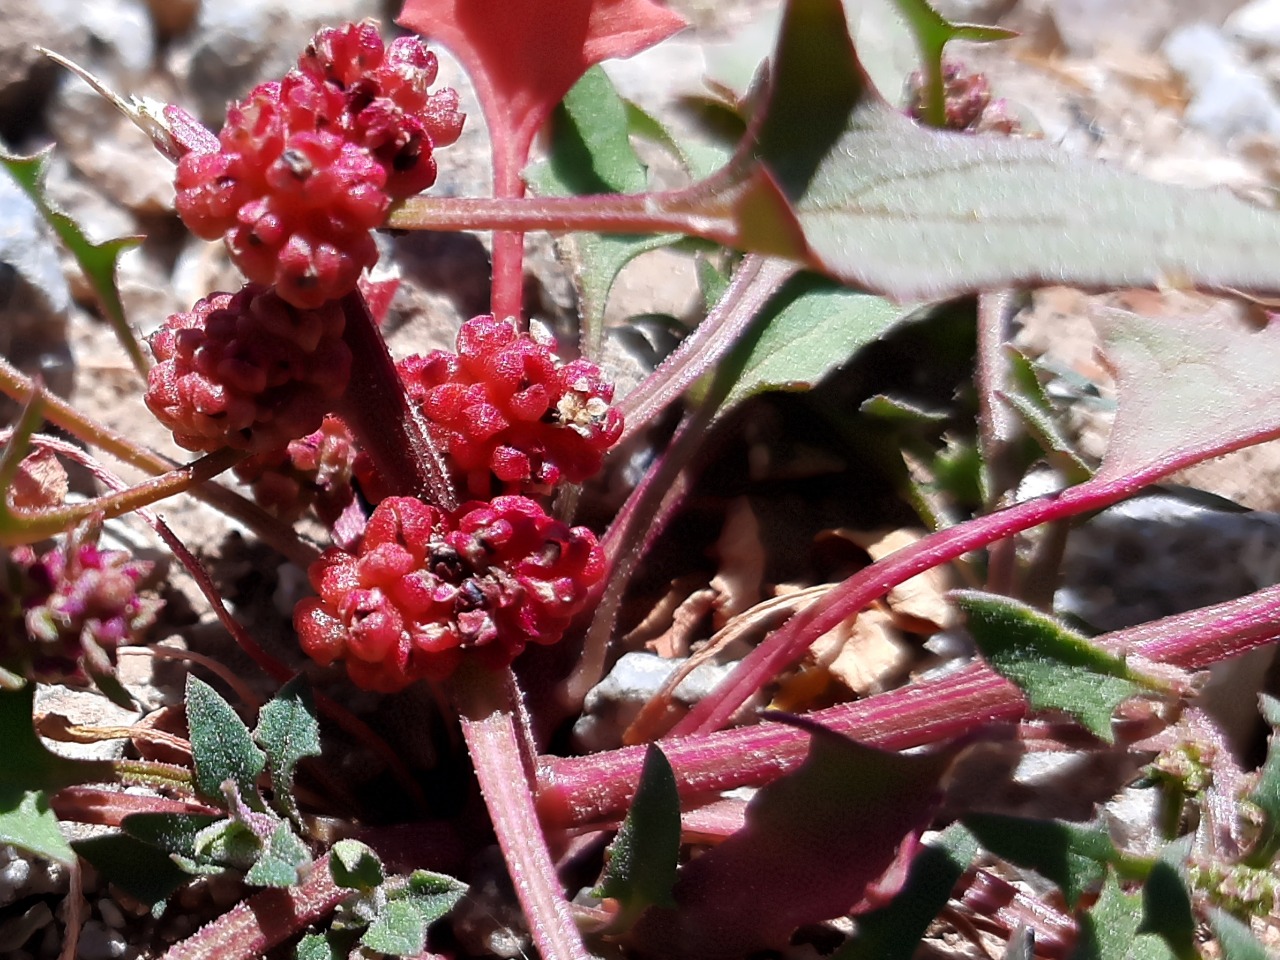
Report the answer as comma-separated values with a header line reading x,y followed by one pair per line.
x,y
306,167
247,371
509,414
427,588
314,471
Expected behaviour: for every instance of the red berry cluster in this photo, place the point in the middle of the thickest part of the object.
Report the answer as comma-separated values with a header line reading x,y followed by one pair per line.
x,y
247,370
64,612
428,588
314,471
505,409
968,103
307,166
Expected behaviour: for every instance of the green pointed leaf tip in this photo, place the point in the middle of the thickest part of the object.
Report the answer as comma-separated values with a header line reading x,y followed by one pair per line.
x,y
220,744
643,858
401,927
1056,668
1071,856
889,206
355,866
287,731
1166,910
894,931
817,326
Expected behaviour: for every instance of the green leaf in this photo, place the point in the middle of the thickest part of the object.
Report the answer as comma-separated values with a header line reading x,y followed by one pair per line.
x,y
1266,792
220,744
1029,400
401,927
590,153
27,765
1056,668
175,833
1073,857
1109,931
226,843
288,731
894,931
890,206
1235,938
355,866
317,946
1166,910
96,260
282,860
140,869
642,859
27,822
816,327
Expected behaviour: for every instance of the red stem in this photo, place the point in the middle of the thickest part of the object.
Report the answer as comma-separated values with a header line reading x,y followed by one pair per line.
x,y
266,919
496,750
580,790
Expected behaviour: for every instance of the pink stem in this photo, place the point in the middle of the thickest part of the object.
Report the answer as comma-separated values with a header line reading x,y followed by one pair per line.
x,y
506,298
266,919
496,752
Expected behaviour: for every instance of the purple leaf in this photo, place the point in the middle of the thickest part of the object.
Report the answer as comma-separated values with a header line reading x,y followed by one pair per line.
x,y
813,843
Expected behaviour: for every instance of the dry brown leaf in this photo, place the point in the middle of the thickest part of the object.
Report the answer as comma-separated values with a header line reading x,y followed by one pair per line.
x,y
678,637
865,654
739,582
919,604
40,483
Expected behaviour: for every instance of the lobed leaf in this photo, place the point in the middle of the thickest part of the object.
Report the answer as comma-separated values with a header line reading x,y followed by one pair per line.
x,y
1166,910
221,744
642,859
281,861
812,844
143,871
28,822
287,731
1109,930
401,926
355,866
1056,668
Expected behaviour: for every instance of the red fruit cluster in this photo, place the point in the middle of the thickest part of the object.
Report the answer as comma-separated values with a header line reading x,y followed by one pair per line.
x,y
505,409
307,166
427,589
314,471
247,370
968,103
65,611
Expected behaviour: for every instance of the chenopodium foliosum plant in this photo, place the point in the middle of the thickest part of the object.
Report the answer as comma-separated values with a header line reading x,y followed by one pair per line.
x,y
461,460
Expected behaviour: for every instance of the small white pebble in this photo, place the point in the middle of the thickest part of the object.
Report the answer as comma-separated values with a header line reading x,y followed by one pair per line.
x,y
111,914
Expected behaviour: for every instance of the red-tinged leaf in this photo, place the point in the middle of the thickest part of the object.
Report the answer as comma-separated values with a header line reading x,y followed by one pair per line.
x,y
523,56
814,844
1190,387
890,206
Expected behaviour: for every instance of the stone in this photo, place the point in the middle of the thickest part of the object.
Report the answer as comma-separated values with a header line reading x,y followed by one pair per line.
x,y
1256,24
1228,98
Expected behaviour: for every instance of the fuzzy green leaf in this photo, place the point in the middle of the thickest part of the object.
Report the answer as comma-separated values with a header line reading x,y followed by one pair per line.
x,y
816,327
27,822
140,869
401,926
174,833
643,857
355,866
288,731
97,261
890,206
221,744
1266,793
894,931
282,860
1109,931
1056,668
1235,938
1071,856
317,946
